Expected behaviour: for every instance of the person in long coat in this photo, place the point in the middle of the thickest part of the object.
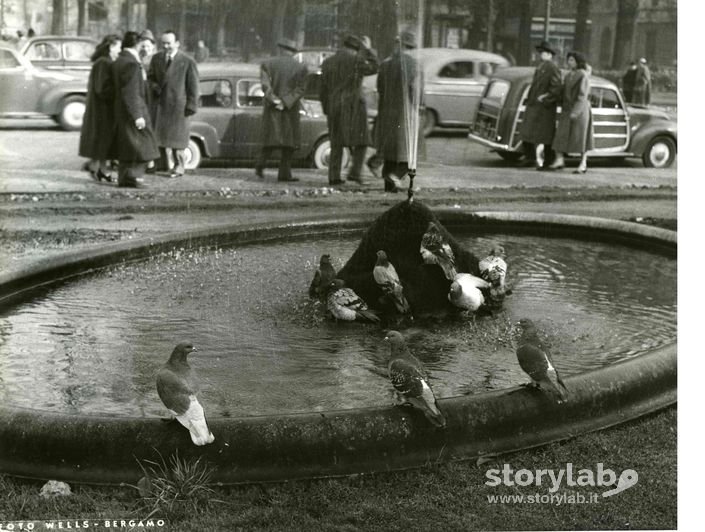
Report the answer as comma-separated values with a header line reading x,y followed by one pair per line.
x,y
173,77
344,105
628,81
642,84
283,83
98,128
147,48
135,142
574,131
399,81
539,124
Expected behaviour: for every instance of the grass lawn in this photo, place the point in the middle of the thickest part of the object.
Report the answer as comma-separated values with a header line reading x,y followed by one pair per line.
x,y
438,497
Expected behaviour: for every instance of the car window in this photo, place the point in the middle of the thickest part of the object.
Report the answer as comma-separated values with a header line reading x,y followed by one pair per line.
x,y
8,59
604,98
216,93
78,51
457,70
43,51
487,69
249,93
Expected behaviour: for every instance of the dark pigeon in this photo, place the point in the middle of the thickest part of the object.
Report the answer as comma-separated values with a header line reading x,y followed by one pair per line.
x,y
387,279
537,363
436,250
322,278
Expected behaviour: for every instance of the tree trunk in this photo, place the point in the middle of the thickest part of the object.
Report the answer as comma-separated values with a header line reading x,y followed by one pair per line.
x,y
582,32
182,22
128,15
81,17
627,11
151,15
524,46
278,23
57,17
491,16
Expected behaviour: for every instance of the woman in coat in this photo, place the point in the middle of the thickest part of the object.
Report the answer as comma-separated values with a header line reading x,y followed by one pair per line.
x,y
574,131
98,127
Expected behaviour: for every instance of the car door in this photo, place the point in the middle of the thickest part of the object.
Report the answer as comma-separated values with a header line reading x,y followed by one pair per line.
x,y
19,89
610,120
246,128
454,91
77,55
215,119
45,54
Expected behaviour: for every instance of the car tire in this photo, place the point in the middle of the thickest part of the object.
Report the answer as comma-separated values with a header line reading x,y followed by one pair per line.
x,y
193,155
321,154
71,112
509,156
659,153
430,120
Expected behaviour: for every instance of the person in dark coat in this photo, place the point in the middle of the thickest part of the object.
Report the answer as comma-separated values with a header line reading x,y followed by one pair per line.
x,y
134,138
574,131
147,48
284,83
628,81
202,52
98,129
399,81
539,124
642,84
344,105
173,77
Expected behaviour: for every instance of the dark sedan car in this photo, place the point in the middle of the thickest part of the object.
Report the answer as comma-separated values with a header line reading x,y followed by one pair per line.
x,y
228,124
620,130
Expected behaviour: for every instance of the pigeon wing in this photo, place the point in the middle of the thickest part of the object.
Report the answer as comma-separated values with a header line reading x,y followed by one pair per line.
x,y
406,377
313,290
174,391
533,361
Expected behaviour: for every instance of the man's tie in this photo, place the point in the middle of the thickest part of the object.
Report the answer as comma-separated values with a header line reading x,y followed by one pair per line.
x,y
168,61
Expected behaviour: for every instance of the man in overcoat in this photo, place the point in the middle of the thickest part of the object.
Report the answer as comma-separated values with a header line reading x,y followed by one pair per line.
x,y
398,81
539,123
173,78
344,105
135,143
283,83
642,83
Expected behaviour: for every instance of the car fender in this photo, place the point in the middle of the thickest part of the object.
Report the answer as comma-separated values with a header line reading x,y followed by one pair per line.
x,y
642,134
208,136
50,101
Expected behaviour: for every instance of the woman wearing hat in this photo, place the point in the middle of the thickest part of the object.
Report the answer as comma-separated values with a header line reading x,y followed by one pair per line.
x,y
574,131
539,123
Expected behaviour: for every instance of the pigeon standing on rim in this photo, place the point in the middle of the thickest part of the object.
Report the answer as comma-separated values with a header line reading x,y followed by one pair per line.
x,y
322,278
465,292
177,388
344,304
536,362
408,377
435,250
387,278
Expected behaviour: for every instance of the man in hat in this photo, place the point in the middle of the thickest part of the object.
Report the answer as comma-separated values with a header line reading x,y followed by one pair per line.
x,y
344,105
539,123
283,83
173,77
642,84
399,77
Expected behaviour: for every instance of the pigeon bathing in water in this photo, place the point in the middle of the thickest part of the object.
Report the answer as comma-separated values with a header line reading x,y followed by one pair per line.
x,y
535,361
322,278
177,388
344,304
408,377
493,269
435,250
465,292
387,279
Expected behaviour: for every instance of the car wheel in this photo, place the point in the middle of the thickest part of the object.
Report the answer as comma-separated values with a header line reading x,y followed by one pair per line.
x,y
509,156
659,153
429,122
321,154
193,155
70,115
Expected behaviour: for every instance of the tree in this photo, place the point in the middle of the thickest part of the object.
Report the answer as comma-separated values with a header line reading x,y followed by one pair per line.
x,y
582,33
151,15
81,17
627,11
57,17
524,47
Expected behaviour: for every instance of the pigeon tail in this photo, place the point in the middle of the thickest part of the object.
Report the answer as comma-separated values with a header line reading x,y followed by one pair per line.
x,y
194,419
426,402
369,315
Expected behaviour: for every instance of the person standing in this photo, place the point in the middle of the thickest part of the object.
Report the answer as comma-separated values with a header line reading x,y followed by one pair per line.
x,y
574,131
539,124
174,80
344,105
642,83
628,81
147,48
283,83
134,138
98,128
202,52
398,80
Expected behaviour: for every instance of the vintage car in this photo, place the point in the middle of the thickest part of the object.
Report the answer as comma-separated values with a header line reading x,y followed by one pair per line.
x,y
30,92
60,52
228,124
620,130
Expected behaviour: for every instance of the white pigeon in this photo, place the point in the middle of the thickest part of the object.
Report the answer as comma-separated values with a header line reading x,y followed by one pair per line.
x,y
465,292
177,388
493,268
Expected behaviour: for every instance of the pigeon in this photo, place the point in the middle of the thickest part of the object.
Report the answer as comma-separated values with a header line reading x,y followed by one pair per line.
x,y
536,362
435,250
409,378
465,292
493,268
177,388
387,279
344,304
323,277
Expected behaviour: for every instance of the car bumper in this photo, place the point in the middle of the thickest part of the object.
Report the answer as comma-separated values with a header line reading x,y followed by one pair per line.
x,y
490,144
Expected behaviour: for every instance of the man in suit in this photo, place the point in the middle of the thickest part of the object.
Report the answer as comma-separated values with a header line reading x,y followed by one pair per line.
x,y
283,83
539,123
173,77
344,105
135,141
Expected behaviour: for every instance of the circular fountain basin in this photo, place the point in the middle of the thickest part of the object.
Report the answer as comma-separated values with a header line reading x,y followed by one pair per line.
x,y
290,394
